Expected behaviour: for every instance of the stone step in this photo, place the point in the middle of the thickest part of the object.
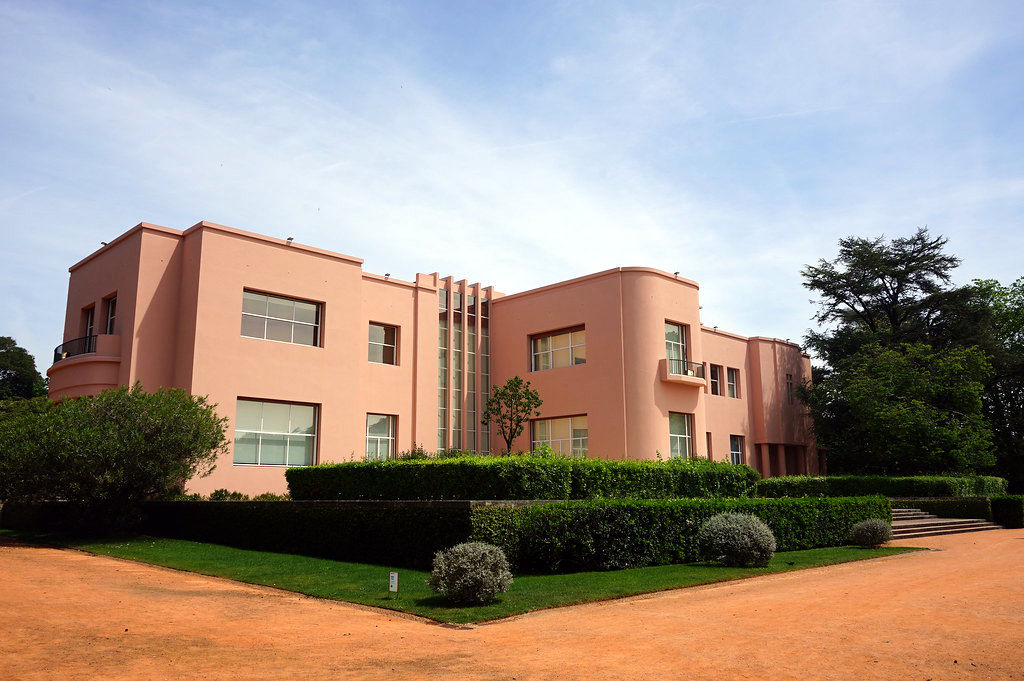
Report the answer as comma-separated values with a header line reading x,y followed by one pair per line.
x,y
937,533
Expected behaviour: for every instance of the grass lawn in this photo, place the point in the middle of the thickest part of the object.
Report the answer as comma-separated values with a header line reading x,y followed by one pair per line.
x,y
367,584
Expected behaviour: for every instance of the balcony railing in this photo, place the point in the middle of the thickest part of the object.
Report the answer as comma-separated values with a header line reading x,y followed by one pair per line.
x,y
680,367
78,346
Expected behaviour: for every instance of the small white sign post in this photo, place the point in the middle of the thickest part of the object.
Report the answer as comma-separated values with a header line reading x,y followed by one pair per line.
x,y
393,582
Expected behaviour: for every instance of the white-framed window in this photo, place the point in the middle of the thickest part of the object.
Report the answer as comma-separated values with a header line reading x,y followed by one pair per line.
x,y
568,435
89,320
675,347
380,437
274,433
559,349
716,379
680,435
275,318
733,381
736,449
111,314
383,344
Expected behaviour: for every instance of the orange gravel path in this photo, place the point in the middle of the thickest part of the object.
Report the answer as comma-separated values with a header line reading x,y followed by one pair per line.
x,y
957,613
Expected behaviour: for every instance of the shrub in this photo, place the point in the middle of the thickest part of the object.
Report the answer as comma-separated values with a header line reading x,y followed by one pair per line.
x,y
858,485
737,540
471,573
954,507
870,533
1008,511
227,495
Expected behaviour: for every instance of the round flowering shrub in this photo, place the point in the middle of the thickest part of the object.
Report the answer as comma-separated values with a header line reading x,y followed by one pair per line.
x,y
870,533
737,540
472,573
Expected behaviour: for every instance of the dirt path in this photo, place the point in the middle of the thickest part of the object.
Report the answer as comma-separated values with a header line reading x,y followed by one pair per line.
x,y
951,614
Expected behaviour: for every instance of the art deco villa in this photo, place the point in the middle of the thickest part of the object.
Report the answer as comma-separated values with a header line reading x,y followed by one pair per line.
x,y
314,360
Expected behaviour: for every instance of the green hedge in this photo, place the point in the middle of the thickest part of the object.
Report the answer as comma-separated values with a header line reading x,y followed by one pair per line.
x,y
1008,510
859,485
614,534
519,477
955,507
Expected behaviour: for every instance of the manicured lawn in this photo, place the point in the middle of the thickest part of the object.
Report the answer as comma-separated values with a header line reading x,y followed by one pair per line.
x,y
367,584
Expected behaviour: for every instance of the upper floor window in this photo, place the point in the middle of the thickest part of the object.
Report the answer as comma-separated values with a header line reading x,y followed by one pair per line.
x,y
736,449
383,344
89,321
559,349
111,314
567,435
380,437
680,435
274,433
675,347
790,393
280,319
733,382
716,379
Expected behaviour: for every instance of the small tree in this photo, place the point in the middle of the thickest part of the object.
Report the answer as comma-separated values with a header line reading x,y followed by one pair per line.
x,y
509,407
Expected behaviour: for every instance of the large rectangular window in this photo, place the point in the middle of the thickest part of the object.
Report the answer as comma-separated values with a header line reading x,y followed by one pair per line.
x,y
675,347
568,436
733,379
383,344
736,449
380,437
280,319
680,435
560,349
716,379
274,433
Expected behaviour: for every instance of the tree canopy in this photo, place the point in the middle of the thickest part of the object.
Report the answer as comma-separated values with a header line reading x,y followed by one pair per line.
x,y
19,378
510,406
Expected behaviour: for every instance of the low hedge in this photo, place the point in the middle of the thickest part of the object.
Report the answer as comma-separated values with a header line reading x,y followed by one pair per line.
x,y
858,485
953,507
519,477
615,534
1008,510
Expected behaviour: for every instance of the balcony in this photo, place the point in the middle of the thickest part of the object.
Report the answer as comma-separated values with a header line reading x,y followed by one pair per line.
x,y
681,371
78,346
85,366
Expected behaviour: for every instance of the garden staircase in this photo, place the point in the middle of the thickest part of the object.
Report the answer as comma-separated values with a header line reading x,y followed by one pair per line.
x,y
910,523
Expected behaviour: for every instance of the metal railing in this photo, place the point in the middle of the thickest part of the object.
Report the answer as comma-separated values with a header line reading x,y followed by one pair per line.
x,y
78,346
680,367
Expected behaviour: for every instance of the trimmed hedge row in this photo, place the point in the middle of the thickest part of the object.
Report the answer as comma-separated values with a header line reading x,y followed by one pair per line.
x,y
955,507
520,477
615,534
859,485
1008,510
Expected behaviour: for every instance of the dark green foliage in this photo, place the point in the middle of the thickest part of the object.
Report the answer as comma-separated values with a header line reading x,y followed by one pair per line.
x,y
519,477
509,407
957,507
614,534
227,495
107,453
19,378
870,533
737,540
1008,511
472,573
858,485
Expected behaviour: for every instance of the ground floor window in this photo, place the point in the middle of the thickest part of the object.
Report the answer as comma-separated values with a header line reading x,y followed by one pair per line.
x,y
274,433
736,449
380,437
568,436
680,435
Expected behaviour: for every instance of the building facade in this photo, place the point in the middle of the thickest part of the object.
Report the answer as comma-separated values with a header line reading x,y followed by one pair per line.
x,y
313,360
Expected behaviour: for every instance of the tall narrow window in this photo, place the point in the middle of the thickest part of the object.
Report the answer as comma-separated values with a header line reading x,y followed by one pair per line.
x,y
675,347
561,349
89,321
569,436
733,379
380,437
274,433
111,314
280,319
736,449
383,344
716,379
680,435
789,388
710,451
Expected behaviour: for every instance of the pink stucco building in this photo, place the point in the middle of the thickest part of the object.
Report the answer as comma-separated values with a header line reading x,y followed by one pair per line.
x,y
314,360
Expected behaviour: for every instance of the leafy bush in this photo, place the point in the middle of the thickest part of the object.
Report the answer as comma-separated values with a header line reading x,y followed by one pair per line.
x,y
227,495
472,573
736,540
519,477
858,485
1008,510
955,507
870,533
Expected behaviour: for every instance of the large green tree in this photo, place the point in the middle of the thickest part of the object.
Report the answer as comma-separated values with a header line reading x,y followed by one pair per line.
x,y
18,375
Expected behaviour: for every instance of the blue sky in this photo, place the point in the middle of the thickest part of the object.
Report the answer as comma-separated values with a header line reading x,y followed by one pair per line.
x,y
731,141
